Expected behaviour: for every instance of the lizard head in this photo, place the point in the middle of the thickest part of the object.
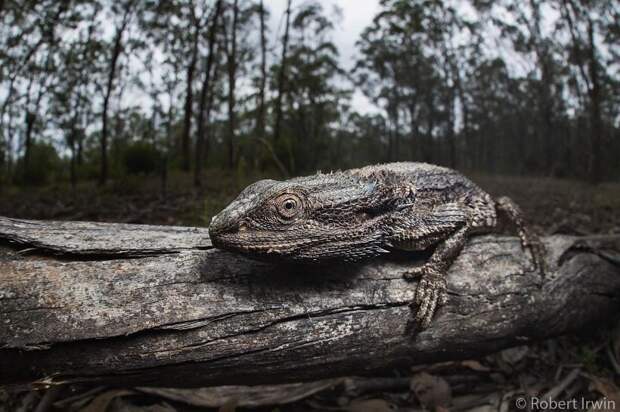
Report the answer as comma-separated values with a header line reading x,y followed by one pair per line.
x,y
314,218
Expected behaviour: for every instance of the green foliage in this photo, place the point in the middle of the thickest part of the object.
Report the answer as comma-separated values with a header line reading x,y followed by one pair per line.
x,y
141,158
43,167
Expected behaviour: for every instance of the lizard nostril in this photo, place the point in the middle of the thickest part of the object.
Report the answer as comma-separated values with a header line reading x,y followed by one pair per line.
x,y
222,226
215,226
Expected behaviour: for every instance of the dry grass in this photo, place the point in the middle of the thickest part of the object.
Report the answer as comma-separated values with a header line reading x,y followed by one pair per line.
x,y
553,205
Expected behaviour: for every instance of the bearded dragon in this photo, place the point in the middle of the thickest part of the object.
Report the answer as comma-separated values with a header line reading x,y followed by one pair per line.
x,y
362,213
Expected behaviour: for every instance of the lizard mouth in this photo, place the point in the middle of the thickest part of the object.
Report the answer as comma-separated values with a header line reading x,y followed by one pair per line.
x,y
252,244
350,244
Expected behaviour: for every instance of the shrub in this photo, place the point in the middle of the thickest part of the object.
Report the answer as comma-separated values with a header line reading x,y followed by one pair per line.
x,y
43,167
141,158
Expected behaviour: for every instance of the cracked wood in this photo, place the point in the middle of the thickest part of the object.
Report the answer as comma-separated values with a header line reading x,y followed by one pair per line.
x,y
131,304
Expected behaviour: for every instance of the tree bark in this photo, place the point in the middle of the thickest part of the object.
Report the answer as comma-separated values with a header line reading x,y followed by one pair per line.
x,y
156,305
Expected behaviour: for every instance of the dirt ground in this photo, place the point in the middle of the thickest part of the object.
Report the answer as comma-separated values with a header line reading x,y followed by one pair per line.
x,y
576,372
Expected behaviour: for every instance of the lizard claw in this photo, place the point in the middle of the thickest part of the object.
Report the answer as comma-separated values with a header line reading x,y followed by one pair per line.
x,y
415,273
430,293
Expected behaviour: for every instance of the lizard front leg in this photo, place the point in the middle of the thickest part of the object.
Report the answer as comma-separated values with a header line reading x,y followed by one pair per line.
x,y
446,225
431,292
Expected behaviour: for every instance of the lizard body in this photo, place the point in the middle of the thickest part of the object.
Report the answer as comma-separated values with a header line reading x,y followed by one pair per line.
x,y
360,213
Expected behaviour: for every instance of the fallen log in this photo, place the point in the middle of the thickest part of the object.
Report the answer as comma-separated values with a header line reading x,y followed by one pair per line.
x,y
155,305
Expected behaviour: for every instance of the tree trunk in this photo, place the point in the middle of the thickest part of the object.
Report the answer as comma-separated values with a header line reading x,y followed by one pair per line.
x,y
116,53
428,149
592,82
260,113
74,138
206,86
30,118
72,168
231,63
189,100
209,109
451,108
464,135
282,76
544,90
415,133
28,132
157,305
596,121
3,151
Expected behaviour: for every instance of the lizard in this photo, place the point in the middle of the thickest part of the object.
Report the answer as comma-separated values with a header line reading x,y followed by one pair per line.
x,y
361,213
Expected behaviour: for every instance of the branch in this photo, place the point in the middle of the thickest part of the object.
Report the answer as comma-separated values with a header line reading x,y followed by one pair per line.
x,y
157,305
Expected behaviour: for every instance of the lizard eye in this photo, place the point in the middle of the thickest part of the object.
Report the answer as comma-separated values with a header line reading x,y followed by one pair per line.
x,y
288,206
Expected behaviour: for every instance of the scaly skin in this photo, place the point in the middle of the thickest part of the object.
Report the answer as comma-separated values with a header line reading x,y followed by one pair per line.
x,y
361,213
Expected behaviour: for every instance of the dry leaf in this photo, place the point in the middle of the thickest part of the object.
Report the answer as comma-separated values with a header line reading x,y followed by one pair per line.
x,y
431,391
101,402
371,405
244,396
229,406
125,405
514,355
475,366
606,388
615,342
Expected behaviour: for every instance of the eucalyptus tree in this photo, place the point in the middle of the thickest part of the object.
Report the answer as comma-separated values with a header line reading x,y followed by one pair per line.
x,y
313,88
122,14
28,43
261,112
593,27
206,95
196,12
72,98
232,64
282,75
409,67
239,45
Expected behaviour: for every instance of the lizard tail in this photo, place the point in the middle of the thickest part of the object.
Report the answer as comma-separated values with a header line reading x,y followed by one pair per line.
x,y
529,240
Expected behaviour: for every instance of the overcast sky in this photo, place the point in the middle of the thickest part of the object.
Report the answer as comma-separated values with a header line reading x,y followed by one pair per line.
x,y
356,16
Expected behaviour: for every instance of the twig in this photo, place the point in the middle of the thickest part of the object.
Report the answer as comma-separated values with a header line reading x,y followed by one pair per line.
x,y
275,157
50,396
556,390
612,359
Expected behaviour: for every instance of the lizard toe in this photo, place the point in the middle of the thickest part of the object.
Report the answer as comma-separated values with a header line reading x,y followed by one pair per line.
x,y
537,250
423,306
443,298
430,294
430,310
